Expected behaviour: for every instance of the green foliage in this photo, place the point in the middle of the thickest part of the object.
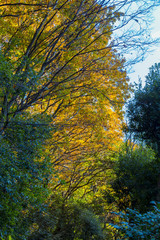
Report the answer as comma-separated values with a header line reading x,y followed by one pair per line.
x,y
6,71
134,225
81,223
9,238
136,172
24,174
69,221
144,110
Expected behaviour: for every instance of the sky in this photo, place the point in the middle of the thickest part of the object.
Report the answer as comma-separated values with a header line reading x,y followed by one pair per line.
x,y
141,69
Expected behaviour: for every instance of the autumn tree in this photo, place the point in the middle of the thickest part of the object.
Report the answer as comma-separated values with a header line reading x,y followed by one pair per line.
x,y
62,42
58,60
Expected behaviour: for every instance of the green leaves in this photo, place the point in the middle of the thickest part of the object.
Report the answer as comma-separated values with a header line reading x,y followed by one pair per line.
x,y
144,110
136,173
24,173
71,220
6,73
134,225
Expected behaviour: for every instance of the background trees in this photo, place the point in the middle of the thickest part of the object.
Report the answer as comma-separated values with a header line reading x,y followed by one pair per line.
x,y
137,169
144,111
137,174
135,183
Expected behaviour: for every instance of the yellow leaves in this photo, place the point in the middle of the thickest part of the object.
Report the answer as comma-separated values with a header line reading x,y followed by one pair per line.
x,y
81,84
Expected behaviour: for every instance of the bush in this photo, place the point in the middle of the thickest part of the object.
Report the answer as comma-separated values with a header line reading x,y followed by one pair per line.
x,y
134,225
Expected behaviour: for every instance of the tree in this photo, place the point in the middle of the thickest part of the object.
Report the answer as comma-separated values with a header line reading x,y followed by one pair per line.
x,y
144,110
49,47
58,64
135,184
66,65
48,61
